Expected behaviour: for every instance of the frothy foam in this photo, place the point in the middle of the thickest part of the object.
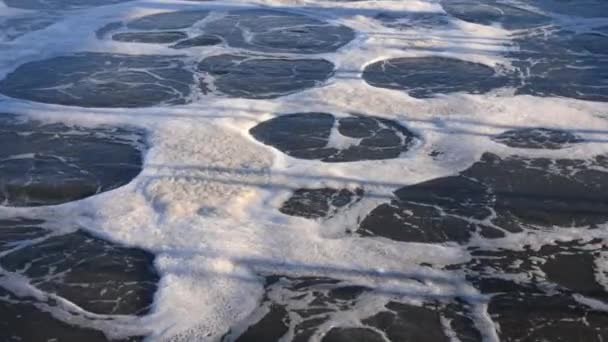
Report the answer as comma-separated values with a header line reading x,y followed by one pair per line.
x,y
207,201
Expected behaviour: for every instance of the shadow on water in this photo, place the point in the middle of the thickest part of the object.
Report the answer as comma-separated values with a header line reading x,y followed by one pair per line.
x,y
447,126
222,175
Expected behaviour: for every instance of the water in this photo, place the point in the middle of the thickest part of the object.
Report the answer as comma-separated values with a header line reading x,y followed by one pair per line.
x,y
304,170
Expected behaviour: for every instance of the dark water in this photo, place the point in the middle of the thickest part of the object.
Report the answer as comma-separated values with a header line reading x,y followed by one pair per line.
x,y
50,164
44,164
98,276
101,80
319,203
263,78
550,57
106,80
305,305
306,136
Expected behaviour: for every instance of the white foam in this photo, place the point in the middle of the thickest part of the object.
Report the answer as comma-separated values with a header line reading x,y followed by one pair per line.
x,y
206,202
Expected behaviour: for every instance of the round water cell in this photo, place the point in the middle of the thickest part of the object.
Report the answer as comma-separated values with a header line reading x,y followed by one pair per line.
x,y
262,78
307,136
46,164
101,80
424,77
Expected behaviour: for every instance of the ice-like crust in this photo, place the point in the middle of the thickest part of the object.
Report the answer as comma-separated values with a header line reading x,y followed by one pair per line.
x,y
46,164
